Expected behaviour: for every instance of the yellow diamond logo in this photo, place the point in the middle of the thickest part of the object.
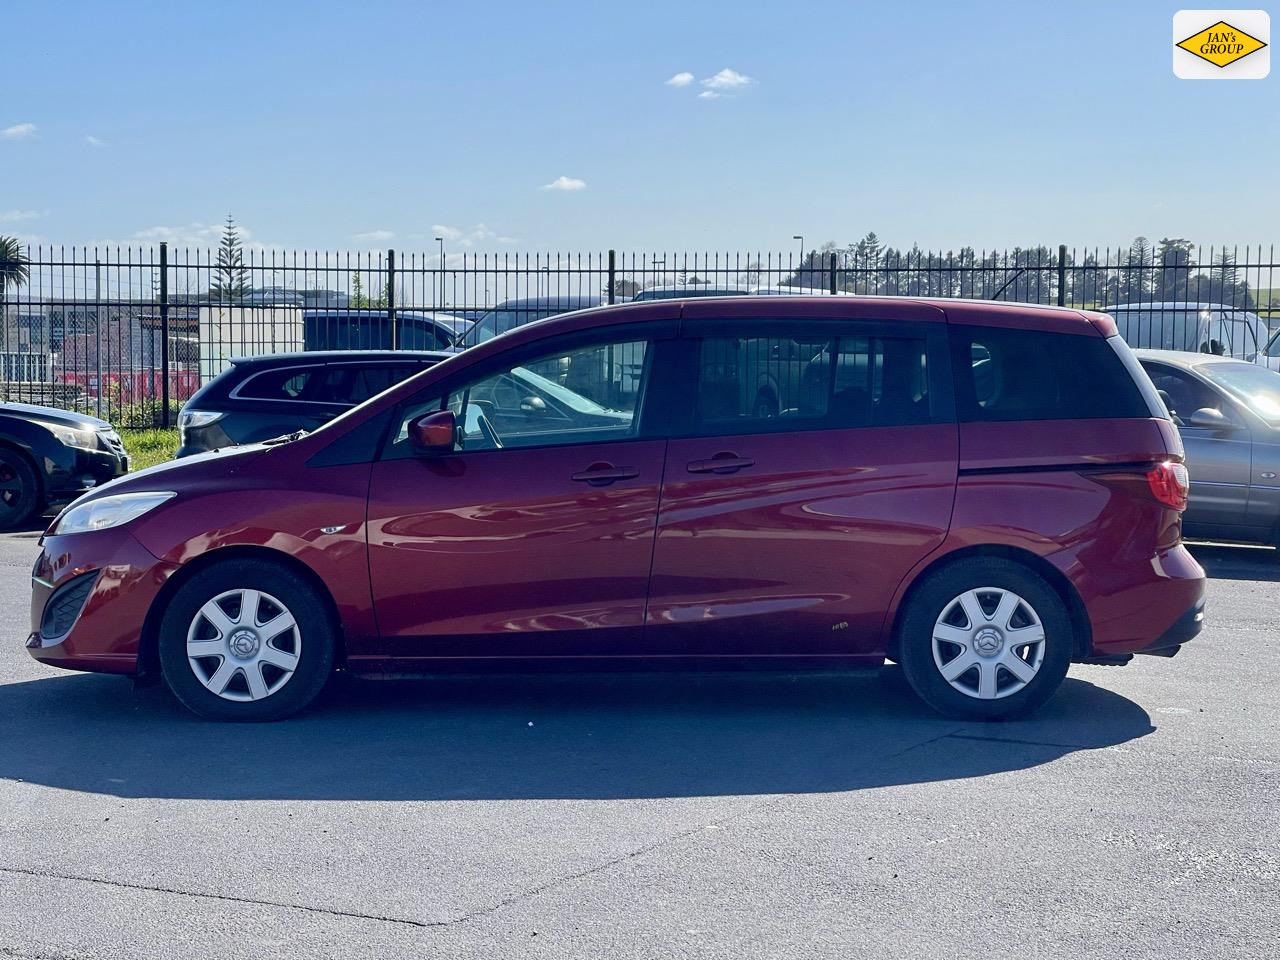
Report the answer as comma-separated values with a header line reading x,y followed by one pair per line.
x,y
1221,44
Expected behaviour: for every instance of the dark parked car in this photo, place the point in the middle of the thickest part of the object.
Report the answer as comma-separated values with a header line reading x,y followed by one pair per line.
x,y
370,329
49,457
258,398
983,527
1228,412
682,291
516,313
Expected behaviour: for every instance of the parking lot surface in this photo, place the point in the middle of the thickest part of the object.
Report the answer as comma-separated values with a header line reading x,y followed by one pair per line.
x,y
673,816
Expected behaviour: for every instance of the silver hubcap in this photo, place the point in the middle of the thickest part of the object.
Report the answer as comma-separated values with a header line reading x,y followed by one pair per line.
x,y
988,643
243,645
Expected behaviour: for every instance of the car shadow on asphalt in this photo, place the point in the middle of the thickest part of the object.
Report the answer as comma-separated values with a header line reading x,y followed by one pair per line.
x,y
541,737
1232,562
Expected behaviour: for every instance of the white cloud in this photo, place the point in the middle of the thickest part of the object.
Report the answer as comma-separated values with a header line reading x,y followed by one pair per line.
x,y
682,79
476,236
567,184
18,131
374,236
191,235
16,216
93,141
708,95
728,79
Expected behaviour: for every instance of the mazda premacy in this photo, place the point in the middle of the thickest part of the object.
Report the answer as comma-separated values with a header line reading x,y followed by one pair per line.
x,y
981,492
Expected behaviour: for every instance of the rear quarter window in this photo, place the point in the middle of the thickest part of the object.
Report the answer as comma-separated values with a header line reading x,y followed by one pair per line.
x,y
1009,374
287,383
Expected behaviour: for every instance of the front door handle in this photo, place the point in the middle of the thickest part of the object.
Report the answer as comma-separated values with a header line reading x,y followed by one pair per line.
x,y
721,463
602,474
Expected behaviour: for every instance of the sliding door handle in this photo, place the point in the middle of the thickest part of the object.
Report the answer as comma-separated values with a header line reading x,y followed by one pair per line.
x,y
720,463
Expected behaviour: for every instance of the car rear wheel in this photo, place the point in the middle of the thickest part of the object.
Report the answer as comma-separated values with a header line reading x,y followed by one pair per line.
x,y
246,640
985,638
19,490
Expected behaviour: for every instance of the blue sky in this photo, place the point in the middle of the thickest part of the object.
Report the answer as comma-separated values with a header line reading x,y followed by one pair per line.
x,y
340,125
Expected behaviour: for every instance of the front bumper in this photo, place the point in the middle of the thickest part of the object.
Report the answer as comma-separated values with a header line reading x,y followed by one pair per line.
x,y
83,472
106,634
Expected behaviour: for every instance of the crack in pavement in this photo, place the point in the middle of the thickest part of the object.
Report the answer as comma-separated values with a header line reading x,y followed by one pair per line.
x,y
126,885
478,913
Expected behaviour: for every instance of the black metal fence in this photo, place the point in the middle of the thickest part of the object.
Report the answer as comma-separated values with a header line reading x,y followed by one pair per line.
x,y
129,334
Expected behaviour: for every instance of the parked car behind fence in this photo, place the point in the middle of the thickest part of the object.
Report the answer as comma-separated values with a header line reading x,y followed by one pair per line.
x,y
1212,328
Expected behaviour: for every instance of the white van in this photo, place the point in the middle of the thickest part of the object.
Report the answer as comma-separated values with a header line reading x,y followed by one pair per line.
x,y
1198,327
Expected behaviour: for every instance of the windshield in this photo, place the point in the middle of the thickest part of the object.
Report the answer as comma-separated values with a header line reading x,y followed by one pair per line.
x,y
1256,387
571,399
1273,345
505,318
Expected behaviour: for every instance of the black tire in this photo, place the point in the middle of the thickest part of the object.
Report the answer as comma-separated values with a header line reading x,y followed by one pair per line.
x,y
20,498
316,636
937,595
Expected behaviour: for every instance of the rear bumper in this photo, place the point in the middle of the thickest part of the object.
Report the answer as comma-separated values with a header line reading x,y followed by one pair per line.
x,y
1185,628
1158,606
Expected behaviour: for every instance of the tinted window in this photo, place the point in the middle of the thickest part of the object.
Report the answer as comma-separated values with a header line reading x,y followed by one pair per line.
x,y
1009,374
748,384
584,395
287,383
350,384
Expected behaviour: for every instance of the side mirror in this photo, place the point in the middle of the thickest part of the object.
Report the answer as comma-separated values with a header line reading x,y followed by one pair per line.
x,y
533,406
433,434
1209,418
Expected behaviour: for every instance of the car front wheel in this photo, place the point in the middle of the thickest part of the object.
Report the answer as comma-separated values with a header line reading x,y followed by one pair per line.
x,y
246,640
19,490
985,638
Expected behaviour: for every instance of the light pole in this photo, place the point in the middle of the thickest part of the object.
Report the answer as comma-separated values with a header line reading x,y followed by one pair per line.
x,y
441,242
97,332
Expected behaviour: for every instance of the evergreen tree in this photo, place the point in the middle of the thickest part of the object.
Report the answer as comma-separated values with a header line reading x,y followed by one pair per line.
x,y
230,278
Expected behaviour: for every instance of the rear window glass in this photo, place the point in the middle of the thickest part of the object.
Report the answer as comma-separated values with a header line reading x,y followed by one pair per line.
x,y
352,384
289,383
1009,374
749,384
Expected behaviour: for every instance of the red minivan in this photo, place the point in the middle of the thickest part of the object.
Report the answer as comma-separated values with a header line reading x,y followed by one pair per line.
x,y
982,492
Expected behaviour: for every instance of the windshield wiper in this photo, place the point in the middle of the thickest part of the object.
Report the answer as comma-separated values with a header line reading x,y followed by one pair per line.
x,y
286,438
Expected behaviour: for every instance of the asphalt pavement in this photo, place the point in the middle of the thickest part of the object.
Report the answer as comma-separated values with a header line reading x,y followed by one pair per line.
x,y
749,816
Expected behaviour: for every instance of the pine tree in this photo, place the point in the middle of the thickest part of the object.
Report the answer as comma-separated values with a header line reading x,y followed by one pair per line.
x,y
230,278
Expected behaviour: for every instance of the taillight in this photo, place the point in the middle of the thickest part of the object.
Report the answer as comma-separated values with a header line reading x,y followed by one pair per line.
x,y
1169,484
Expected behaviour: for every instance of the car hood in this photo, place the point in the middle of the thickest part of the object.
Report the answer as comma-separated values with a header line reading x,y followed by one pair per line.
x,y
176,474
62,418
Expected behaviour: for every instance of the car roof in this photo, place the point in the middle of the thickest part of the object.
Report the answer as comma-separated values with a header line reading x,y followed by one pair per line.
x,y
1186,305
787,290
555,300
991,313
1186,358
340,356
694,287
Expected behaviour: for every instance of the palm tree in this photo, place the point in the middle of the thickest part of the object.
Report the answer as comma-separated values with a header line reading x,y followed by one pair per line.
x,y
15,270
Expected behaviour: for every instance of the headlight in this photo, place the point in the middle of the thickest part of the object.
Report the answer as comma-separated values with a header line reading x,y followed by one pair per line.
x,y
193,419
71,437
107,512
